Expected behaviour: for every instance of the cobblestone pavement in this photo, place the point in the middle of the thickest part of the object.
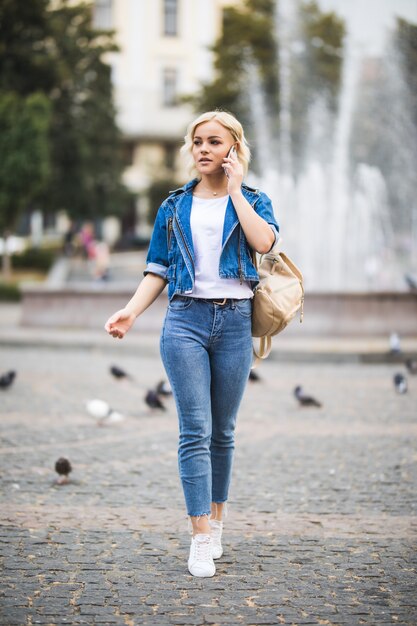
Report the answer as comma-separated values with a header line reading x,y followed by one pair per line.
x,y
322,518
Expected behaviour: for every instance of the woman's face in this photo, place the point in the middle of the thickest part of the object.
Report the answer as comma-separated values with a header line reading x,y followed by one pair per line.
x,y
211,143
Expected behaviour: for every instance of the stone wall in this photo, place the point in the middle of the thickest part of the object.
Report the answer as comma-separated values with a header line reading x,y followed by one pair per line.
x,y
332,314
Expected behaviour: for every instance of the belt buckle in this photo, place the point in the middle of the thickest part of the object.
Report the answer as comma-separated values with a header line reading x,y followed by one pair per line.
x,y
222,303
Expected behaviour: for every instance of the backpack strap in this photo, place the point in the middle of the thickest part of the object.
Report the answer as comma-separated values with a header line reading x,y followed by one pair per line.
x,y
265,344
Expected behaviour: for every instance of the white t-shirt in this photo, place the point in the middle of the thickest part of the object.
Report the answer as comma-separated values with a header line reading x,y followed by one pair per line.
x,y
207,221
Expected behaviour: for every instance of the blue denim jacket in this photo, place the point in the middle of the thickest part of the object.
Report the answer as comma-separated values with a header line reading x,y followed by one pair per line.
x,y
171,253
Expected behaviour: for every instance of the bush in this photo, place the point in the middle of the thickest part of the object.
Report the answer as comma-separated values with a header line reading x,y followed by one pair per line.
x,y
9,292
34,259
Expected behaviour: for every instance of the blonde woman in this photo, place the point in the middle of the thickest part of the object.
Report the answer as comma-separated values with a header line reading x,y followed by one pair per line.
x,y
201,246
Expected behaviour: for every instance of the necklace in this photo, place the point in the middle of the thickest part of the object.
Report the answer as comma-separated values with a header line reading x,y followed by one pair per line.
x,y
215,193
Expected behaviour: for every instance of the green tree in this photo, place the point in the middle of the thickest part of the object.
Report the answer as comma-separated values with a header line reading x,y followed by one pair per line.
x,y
25,162
86,143
316,72
157,192
405,39
52,47
249,36
24,44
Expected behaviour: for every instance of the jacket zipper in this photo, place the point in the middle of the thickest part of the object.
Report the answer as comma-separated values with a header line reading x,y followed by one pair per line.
x,y
238,257
240,233
169,231
185,243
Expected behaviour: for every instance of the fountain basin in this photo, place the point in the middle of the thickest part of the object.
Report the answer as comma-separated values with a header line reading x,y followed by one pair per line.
x,y
325,313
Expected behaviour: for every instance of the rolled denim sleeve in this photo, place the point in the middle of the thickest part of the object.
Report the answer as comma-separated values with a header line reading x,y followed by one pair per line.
x,y
265,210
157,257
276,237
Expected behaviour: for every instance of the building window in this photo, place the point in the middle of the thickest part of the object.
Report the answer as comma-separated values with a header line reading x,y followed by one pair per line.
x,y
128,153
169,87
170,154
171,18
102,15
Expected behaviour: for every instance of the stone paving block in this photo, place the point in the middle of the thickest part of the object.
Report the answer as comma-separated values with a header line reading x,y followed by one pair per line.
x,y
184,620
17,617
322,521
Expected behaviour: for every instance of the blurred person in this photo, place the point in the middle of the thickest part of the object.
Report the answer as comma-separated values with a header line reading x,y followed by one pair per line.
x,y
69,240
201,245
101,259
87,240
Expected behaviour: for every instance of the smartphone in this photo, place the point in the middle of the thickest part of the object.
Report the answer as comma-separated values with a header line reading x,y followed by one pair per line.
x,y
231,152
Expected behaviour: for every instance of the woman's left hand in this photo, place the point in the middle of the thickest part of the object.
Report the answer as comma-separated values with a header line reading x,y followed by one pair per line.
x,y
234,172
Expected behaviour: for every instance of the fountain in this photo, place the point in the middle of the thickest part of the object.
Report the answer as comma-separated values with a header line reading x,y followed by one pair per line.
x,y
335,219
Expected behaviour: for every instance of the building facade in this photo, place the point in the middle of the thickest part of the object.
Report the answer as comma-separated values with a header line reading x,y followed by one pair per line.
x,y
164,55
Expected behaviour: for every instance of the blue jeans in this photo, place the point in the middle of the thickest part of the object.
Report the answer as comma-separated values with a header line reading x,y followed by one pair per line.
x,y
206,349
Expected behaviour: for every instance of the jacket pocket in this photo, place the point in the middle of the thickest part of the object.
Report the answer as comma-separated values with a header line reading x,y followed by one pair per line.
x,y
180,303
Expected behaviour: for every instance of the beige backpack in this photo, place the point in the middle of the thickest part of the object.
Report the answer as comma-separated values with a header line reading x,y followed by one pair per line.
x,y
277,298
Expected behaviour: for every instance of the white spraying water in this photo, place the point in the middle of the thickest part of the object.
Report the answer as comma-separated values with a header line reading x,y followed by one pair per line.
x,y
335,223
261,126
283,25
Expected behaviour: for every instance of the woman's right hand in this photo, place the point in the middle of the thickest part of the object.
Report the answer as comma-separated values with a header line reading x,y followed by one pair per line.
x,y
119,323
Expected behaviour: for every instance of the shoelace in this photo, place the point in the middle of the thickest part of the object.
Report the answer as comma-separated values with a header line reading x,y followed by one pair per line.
x,y
203,549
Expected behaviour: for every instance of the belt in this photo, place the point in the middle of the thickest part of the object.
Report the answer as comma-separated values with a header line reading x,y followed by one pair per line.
x,y
219,302
223,302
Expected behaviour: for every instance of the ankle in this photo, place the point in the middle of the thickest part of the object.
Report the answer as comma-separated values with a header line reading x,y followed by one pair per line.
x,y
200,525
218,511
199,532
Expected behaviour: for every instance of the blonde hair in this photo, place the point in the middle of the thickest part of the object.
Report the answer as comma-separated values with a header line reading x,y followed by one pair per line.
x,y
231,124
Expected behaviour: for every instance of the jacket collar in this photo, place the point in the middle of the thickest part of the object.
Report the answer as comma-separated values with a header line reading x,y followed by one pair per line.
x,y
184,189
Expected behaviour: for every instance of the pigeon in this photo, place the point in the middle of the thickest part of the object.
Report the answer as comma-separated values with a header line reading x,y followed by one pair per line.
x,y
303,399
400,383
63,468
118,372
6,380
153,400
103,412
394,343
163,389
411,365
411,281
254,377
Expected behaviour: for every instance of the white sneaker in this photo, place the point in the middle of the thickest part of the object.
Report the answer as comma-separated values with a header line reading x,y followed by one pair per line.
x,y
216,537
200,561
